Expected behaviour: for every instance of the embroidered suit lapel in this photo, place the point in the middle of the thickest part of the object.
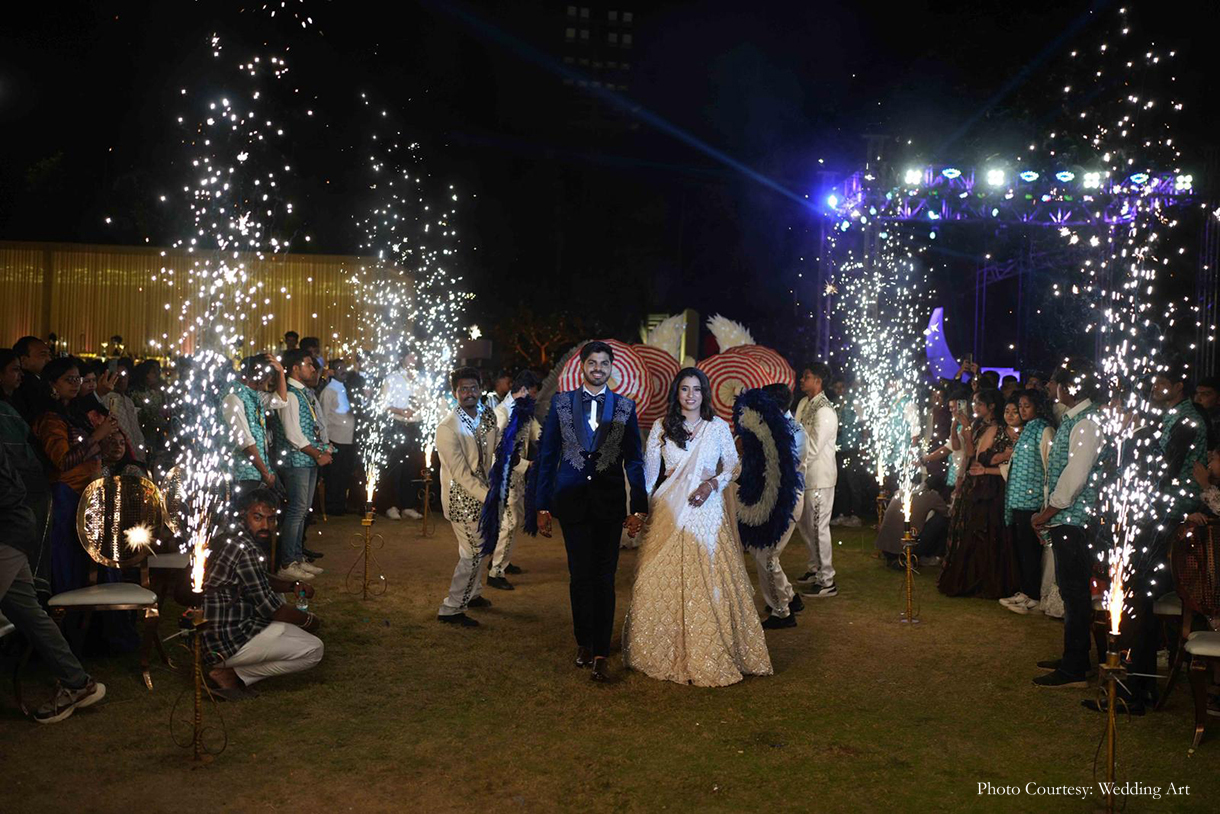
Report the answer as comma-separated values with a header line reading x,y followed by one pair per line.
x,y
581,422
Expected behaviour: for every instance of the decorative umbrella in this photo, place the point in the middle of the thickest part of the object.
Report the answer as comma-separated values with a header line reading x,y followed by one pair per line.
x,y
628,377
742,368
662,368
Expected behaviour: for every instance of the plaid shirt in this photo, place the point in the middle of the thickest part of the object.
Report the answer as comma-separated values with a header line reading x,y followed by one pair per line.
x,y
237,598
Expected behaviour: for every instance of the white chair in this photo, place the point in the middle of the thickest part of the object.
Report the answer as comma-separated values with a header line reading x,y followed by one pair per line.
x,y
1204,649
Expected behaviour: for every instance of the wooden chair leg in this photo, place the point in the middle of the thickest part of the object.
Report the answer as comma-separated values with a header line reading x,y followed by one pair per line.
x,y
320,495
150,635
1198,686
1177,655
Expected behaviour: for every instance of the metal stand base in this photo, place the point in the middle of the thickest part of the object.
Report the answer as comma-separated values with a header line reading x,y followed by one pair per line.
x,y
365,541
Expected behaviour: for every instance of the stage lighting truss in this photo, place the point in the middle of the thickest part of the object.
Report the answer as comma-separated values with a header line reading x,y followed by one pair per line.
x,y
1053,197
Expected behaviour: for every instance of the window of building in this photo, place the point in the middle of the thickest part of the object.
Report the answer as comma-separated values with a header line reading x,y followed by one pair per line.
x,y
584,62
626,40
613,38
570,34
571,11
584,33
614,16
627,16
584,14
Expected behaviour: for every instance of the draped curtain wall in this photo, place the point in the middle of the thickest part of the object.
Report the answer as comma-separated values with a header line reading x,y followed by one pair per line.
x,y
85,294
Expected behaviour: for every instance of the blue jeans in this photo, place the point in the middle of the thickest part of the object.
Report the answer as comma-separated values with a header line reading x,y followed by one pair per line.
x,y
299,482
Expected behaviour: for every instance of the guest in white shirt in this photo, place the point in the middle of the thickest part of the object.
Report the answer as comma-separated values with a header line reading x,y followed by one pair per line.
x,y
500,388
341,427
404,395
526,449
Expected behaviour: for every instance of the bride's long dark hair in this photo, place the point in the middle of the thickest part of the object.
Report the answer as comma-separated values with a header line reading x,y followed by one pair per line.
x,y
671,425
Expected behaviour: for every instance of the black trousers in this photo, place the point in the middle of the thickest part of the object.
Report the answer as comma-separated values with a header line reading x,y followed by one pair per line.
x,y
1028,550
592,562
338,477
406,464
1073,567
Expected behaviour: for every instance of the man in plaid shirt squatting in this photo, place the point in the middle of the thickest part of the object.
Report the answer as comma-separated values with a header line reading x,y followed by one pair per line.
x,y
250,632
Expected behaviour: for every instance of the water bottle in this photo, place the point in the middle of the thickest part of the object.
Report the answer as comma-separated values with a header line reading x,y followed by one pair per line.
x,y
302,602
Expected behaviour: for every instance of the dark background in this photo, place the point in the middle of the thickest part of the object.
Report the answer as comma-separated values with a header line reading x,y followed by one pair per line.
x,y
576,210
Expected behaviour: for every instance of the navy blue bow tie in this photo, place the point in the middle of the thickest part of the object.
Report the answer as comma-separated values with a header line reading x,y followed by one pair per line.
x,y
586,397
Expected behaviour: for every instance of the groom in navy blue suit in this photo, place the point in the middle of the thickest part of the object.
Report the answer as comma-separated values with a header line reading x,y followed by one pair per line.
x,y
590,439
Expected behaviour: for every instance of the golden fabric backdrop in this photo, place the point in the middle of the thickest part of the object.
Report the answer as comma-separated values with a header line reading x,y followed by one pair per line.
x,y
85,294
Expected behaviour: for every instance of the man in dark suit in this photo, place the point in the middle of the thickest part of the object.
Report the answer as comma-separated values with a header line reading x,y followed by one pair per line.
x,y
591,438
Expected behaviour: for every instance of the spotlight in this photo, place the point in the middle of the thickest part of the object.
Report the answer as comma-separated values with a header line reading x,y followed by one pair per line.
x,y
913,177
1139,178
951,173
1029,176
1065,176
833,201
1092,180
995,177
933,216
1183,183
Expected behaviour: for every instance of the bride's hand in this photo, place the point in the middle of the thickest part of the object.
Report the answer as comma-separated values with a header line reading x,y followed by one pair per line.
x,y
700,495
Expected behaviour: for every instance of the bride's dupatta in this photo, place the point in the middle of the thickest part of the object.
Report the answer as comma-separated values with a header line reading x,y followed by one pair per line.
x,y
670,504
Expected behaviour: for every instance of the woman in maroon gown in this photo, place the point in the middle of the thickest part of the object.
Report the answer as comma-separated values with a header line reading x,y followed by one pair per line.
x,y
979,560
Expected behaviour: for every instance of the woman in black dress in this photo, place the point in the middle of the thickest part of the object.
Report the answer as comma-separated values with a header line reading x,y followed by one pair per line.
x,y
979,560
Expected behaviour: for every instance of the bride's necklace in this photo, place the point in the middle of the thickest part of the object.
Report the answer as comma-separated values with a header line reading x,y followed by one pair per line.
x,y
692,429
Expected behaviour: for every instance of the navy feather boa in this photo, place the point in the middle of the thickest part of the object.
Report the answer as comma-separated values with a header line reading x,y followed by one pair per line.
x,y
498,478
766,499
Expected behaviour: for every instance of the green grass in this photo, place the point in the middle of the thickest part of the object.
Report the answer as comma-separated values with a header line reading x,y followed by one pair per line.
x,y
863,713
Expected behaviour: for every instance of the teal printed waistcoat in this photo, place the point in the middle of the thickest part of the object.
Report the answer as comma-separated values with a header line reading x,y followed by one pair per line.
x,y
285,454
1026,475
1078,513
1179,505
257,419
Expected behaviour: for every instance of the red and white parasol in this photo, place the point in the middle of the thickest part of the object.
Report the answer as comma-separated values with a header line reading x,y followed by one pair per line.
x,y
743,368
662,368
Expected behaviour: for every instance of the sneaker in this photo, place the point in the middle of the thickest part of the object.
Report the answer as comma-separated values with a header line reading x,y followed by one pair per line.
x,y
796,604
1016,599
293,573
66,701
393,513
1028,606
458,619
819,591
929,562
310,568
1058,679
499,582
411,513
776,622
807,578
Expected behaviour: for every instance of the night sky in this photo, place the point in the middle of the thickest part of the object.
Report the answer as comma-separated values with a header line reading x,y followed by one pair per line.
x,y
568,205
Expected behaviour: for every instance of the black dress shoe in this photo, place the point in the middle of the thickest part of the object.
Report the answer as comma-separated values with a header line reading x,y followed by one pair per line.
x,y
312,555
458,619
479,602
601,669
1124,707
776,622
512,569
584,657
499,582
797,604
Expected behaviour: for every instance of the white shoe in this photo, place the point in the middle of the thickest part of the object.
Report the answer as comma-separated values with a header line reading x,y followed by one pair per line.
x,y
1028,606
851,521
310,568
292,572
837,521
1016,599
393,513
411,513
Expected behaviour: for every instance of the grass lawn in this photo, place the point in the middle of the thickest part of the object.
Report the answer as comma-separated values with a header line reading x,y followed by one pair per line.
x,y
404,714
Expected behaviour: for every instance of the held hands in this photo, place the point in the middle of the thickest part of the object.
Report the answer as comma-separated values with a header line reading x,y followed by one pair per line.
x,y
1039,520
977,468
544,524
324,459
634,524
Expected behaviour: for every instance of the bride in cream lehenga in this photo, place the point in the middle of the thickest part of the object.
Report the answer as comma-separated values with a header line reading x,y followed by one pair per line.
x,y
692,617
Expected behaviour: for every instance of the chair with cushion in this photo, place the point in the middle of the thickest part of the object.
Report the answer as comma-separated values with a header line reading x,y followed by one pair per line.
x,y
115,521
1195,561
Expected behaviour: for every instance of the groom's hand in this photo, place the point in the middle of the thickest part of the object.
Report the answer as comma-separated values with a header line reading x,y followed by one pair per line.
x,y
544,524
634,524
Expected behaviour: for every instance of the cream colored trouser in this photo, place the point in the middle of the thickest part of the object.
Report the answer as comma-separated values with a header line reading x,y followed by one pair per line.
x,y
276,650
772,581
815,528
467,582
510,524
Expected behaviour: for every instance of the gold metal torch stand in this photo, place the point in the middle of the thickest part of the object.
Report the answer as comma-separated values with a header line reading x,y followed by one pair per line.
x,y
908,554
201,753
365,541
1111,675
429,525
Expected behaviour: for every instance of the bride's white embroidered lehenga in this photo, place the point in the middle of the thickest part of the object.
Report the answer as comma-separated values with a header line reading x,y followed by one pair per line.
x,y
692,617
